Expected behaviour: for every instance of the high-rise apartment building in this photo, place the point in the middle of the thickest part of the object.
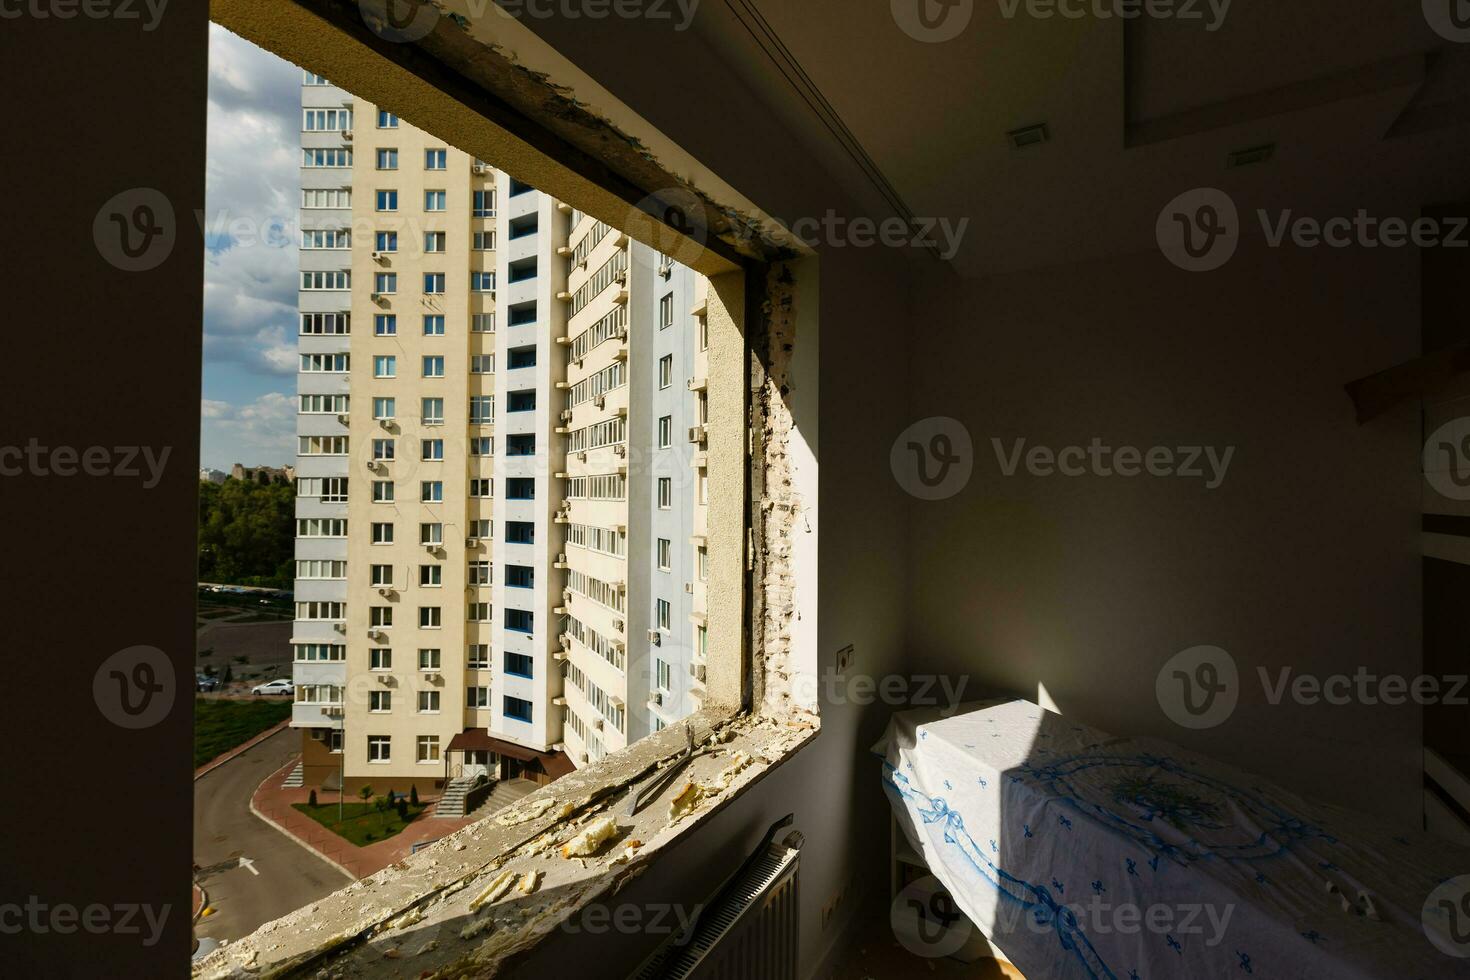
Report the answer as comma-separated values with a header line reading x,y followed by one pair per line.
x,y
500,534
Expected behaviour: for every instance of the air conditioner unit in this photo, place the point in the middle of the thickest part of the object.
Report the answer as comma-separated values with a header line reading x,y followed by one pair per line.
x,y
566,415
559,701
697,433
689,587
600,401
385,680
340,627
697,672
566,595
697,384
621,449
621,279
385,591
471,542
597,724
618,625
386,423
375,297
658,698
377,634
432,676
343,418
655,637
561,558
431,545
480,168
582,456
332,711
347,134
378,256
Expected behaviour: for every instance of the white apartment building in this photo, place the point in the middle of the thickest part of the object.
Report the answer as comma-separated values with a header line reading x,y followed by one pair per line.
x,y
499,511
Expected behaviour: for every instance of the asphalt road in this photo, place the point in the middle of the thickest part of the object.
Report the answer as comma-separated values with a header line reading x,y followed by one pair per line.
x,y
289,876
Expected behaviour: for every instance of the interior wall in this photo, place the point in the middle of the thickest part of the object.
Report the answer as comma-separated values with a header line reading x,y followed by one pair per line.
x,y
1305,556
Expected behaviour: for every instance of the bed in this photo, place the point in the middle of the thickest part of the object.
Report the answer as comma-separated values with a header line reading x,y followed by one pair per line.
x,y
1082,854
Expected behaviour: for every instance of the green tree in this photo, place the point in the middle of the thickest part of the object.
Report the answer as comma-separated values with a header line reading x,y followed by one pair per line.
x,y
247,533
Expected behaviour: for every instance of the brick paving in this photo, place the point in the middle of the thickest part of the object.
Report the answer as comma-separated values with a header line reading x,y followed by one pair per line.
x,y
275,805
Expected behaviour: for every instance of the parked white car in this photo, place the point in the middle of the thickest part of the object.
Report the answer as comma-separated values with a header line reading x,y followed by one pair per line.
x,y
281,685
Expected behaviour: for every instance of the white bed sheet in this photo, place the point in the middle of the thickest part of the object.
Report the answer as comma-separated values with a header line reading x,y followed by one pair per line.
x,y
1060,841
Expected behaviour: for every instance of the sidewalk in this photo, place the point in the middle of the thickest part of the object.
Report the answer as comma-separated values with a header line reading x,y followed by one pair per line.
x,y
273,804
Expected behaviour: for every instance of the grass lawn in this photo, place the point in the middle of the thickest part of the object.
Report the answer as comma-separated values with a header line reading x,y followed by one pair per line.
x,y
220,725
363,823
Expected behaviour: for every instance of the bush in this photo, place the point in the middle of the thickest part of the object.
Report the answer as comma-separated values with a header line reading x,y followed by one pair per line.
x,y
403,809
366,793
381,804
229,676
413,795
311,800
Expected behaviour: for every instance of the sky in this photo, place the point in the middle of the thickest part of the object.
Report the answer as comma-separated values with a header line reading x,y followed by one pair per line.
x,y
248,412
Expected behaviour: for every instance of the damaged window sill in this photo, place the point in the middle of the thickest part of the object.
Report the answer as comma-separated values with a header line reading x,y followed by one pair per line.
x,y
498,887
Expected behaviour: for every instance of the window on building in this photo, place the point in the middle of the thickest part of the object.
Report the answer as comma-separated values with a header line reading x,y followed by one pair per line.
x,y
433,324
518,664
428,702
432,411
483,241
519,620
665,554
434,200
665,492
385,283
662,613
433,283
387,158
431,450
380,748
484,204
520,576
383,450
382,533
436,159
384,325
380,702
666,311
431,491
429,658
477,656
386,200
435,241
380,617
380,658
665,431
520,488
516,708
431,576
431,532
665,371
385,366
387,120
477,697
382,492
428,745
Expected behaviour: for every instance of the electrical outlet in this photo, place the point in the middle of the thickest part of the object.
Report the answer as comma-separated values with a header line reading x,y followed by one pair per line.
x,y
845,658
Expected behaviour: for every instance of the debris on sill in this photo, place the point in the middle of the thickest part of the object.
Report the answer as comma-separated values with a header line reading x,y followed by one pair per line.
x,y
590,839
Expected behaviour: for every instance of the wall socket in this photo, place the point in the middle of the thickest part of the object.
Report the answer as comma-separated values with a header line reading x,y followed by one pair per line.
x,y
845,658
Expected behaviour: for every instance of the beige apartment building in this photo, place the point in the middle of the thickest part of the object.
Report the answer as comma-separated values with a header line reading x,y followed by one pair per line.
x,y
500,476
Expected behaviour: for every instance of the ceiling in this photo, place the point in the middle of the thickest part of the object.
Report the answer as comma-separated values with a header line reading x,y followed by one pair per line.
x,y
1366,111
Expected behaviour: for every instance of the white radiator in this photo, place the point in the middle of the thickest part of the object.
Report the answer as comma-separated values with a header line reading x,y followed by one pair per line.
x,y
748,931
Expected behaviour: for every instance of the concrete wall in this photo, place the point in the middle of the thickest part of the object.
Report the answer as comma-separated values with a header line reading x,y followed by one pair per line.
x,y
1305,556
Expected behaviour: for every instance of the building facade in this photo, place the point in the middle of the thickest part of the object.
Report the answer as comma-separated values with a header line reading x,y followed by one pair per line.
x,y
499,520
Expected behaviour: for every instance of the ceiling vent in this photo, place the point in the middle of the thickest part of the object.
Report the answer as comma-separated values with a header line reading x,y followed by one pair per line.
x,y
1028,136
1249,156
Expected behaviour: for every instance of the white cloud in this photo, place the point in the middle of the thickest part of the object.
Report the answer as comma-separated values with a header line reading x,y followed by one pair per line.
x,y
258,433
251,199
